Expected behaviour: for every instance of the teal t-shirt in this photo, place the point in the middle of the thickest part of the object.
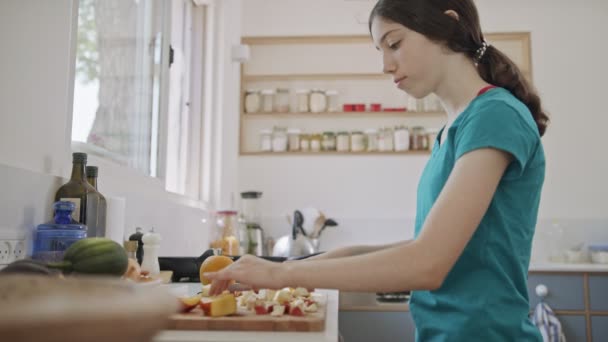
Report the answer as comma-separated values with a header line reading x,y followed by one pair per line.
x,y
484,297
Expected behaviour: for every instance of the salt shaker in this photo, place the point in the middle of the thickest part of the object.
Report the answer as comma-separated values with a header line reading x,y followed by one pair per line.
x,y
151,242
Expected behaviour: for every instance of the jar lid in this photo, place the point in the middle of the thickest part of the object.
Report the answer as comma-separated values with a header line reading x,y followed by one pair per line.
x,y
226,212
331,92
282,90
328,133
371,131
302,91
294,131
268,91
251,194
342,133
356,132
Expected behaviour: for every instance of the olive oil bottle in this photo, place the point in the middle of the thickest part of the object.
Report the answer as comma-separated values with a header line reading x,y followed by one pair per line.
x,y
96,215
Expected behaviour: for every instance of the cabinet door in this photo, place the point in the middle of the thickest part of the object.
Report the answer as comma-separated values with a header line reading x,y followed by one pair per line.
x,y
574,327
364,326
599,328
598,292
565,291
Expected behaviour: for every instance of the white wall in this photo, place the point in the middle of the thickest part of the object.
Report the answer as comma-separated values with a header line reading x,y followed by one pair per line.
x,y
36,70
569,70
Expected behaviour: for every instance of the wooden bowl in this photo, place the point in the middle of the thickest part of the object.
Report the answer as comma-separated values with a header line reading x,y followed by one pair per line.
x,y
41,308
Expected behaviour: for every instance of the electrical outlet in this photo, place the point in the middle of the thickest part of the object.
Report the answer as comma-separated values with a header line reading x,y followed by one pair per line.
x,y
18,251
5,252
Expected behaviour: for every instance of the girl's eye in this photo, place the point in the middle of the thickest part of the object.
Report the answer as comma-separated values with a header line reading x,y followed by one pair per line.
x,y
394,46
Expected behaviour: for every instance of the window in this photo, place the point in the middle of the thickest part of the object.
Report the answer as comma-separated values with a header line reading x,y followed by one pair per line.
x,y
138,87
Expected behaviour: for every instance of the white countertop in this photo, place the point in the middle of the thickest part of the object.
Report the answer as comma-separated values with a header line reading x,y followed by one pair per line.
x,y
329,335
565,267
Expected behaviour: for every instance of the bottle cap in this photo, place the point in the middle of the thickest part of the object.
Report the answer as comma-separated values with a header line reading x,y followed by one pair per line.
x,y
92,171
79,157
64,206
251,194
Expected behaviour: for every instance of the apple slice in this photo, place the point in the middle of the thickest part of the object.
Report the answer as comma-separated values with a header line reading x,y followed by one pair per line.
x,y
189,303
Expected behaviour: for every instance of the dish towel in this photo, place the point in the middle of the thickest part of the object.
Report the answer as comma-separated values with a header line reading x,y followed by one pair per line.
x,y
548,324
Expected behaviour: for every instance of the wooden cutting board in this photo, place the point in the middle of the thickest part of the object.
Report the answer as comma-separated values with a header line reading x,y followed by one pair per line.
x,y
247,320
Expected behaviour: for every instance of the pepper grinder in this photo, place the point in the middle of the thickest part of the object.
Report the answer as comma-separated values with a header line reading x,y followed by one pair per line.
x,y
151,242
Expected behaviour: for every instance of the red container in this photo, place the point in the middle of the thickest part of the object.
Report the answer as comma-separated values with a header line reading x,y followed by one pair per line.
x,y
375,107
360,107
348,107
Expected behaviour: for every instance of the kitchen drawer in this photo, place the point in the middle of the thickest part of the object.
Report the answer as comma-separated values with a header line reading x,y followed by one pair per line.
x,y
565,291
574,327
362,326
599,328
598,292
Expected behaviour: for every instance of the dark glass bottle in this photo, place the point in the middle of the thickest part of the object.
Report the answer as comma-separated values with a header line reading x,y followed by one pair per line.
x,y
137,236
96,215
78,191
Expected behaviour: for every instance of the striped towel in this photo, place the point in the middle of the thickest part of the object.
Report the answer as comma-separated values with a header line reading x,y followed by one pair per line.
x,y
548,324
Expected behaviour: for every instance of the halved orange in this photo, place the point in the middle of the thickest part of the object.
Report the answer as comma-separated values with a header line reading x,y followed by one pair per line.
x,y
213,263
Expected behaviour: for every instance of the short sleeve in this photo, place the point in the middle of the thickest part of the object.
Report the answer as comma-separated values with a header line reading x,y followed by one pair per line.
x,y
498,125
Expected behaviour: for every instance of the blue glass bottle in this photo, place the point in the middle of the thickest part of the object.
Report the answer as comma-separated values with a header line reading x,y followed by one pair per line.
x,y
54,237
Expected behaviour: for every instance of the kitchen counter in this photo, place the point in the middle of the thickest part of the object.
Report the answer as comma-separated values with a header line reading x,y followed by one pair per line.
x,y
329,335
364,301
565,267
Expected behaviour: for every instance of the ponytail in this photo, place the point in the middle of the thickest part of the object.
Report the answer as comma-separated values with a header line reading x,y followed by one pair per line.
x,y
498,69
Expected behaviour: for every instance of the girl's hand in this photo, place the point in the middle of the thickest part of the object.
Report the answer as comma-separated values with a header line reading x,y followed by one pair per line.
x,y
249,270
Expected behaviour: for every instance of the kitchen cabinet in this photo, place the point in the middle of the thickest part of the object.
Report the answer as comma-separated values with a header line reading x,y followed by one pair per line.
x,y
376,326
565,291
599,328
351,66
598,291
574,327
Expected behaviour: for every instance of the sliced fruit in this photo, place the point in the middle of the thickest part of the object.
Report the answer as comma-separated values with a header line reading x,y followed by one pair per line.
x,y
189,303
222,305
213,263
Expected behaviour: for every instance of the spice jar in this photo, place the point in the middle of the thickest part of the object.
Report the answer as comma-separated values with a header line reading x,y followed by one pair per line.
x,y
279,139
329,141
293,135
304,142
266,140
332,101
418,138
385,140
252,101
431,137
343,142
267,100
282,100
402,138
315,142
318,101
302,96
223,235
357,141
371,137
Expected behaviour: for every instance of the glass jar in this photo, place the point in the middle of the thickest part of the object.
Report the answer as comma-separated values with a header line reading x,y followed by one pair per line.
x,y
357,141
371,137
302,97
386,140
267,100
315,142
431,137
329,141
418,139
279,139
412,104
343,142
402,138
318,101
224,234
332,101
266,140
252,101
293,135
304,143
282,100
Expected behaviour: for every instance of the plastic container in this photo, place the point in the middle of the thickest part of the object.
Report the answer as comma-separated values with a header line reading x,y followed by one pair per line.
x,y
268,100
599,253
302,100
266,140
252,101
54,237
318,101
282,100
332,101
279,139
357,141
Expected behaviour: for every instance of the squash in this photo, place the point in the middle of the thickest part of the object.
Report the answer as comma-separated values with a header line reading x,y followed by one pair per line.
x,y
94,256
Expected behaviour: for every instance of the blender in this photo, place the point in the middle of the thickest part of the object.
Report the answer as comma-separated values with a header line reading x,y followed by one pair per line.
x,y
252,234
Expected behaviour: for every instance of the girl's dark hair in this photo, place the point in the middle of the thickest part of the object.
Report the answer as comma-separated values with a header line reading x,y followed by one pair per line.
x,y
428,18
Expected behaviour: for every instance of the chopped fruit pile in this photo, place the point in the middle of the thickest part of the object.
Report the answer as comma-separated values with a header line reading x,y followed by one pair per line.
x,y
287,301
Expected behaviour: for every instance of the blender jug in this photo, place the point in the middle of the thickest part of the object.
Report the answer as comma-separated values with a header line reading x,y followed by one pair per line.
x,y
252,239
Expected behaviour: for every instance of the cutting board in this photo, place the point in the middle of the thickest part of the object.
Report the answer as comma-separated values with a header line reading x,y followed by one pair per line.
x,y
249,321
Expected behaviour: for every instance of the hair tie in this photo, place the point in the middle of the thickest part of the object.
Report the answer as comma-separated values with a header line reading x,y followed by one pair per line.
x,y
481,51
